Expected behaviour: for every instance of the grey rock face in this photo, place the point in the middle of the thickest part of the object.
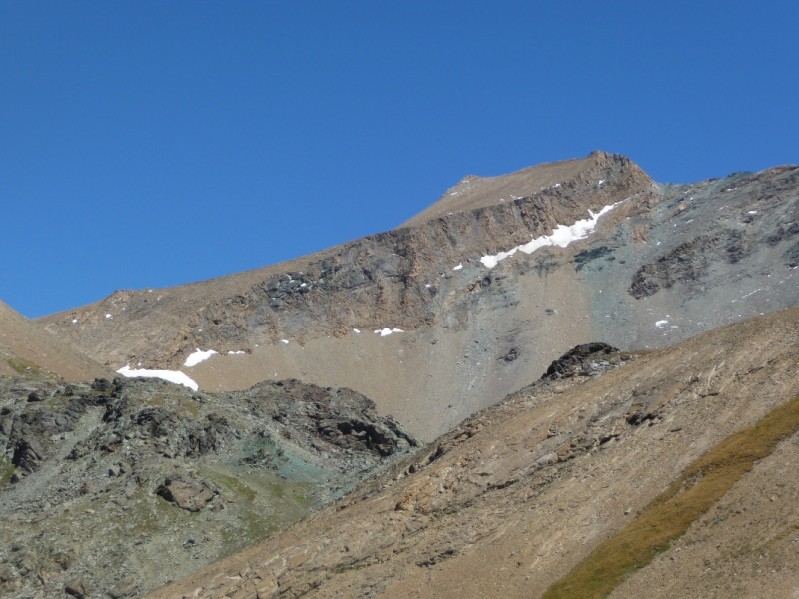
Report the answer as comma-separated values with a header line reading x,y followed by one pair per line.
x,y
104,483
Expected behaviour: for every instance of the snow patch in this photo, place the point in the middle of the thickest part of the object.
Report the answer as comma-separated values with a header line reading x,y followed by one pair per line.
x,y
74,321
561,236
459,267
108,317
198,356
387,331
661,324
286,341
173,376
752,212
357,330
752,293
236,352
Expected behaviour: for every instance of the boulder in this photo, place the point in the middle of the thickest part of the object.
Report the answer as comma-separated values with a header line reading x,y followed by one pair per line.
x,y
186,493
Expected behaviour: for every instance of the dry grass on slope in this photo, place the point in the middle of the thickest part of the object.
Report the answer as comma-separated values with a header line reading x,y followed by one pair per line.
x,y
670,514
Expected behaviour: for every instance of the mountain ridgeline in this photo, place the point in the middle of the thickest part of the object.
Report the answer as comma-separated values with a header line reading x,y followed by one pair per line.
x,y
663,264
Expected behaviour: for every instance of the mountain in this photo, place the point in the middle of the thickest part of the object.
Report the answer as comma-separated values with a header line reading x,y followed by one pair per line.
x,y
375,419
449,313
564,472
24,347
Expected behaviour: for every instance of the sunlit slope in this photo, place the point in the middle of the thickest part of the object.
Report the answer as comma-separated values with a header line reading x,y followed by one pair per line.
x,y
26,349
510,501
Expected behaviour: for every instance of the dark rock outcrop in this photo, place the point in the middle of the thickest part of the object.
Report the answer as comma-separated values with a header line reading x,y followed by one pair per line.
x,y
587,359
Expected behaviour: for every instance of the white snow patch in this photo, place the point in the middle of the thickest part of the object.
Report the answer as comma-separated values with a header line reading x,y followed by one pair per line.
x,y
661,324
303,284
601,182
74,321
561,236
286,341
752,212
387,331
198,356
427,286
173,376
357,330
752,293
108,317
236,352
459,267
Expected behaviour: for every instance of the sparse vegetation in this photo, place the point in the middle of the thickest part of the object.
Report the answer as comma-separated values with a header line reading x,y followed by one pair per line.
x,y
22,366
6,470
670,514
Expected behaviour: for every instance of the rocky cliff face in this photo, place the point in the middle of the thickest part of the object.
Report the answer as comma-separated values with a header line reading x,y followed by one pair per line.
x,y
666,262
101,485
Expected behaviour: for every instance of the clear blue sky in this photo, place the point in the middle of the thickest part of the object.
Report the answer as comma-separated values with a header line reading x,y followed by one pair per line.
x,y
147,144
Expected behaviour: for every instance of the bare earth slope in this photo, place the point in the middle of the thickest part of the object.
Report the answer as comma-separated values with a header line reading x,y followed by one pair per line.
x,y
665,263
24,346
508,502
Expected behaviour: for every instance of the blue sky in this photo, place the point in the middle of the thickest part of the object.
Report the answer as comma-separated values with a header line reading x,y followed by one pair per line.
x,y
147,144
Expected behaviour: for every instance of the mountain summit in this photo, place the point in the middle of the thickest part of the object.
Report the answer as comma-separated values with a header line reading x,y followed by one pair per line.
x,y
475,296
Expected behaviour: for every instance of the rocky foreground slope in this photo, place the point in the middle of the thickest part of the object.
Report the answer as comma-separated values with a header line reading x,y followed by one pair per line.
x,y
114,488
447,314
512,499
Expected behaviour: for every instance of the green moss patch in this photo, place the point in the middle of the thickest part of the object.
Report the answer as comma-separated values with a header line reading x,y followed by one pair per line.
x,y
6,470
670,514
22,366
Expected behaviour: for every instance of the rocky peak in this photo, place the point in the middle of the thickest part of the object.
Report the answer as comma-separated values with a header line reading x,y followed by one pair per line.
x,y
456,285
